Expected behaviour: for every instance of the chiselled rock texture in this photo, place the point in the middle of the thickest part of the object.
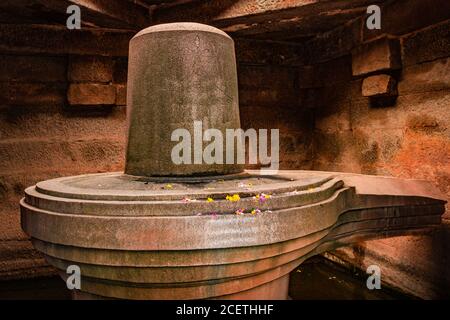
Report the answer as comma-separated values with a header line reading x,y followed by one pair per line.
x,y
295,73
166,231
379,85
178,73
378,55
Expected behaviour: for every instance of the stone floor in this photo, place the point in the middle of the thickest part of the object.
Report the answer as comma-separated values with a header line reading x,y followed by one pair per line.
x,y
317,279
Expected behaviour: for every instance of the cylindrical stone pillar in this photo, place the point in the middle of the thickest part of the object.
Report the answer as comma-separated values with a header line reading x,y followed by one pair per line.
x,y
178,74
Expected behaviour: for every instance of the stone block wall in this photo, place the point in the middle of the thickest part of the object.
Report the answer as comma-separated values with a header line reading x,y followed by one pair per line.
x,y
268,100
383,107
62,112
268,97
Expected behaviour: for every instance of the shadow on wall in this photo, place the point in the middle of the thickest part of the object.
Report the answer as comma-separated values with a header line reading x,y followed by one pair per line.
x,y
416,265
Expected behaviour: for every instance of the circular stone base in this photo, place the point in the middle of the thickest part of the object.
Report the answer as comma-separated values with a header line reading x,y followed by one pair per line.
x,y
121,187
215,237
145,238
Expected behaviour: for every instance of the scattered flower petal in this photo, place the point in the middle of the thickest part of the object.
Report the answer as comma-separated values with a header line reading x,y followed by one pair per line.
x,y
262,197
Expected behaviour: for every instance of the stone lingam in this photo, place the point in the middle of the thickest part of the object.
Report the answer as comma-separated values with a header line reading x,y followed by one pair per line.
x,y
162,230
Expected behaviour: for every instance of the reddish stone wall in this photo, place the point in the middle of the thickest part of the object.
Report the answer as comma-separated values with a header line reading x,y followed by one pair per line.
x,y
408,138
60,114
268,100
268,97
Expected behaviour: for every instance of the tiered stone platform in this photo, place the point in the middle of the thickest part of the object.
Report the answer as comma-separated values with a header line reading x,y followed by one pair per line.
x,y
160,238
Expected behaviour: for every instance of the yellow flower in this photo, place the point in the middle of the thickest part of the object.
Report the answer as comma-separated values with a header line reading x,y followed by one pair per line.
x,y
168,186
209,199
233,198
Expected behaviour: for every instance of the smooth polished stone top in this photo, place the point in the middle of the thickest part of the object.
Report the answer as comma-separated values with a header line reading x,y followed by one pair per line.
x,y
181,26
118,194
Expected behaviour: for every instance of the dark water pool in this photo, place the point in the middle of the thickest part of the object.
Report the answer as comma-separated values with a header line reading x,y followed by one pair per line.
x,y
316,278
321,279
